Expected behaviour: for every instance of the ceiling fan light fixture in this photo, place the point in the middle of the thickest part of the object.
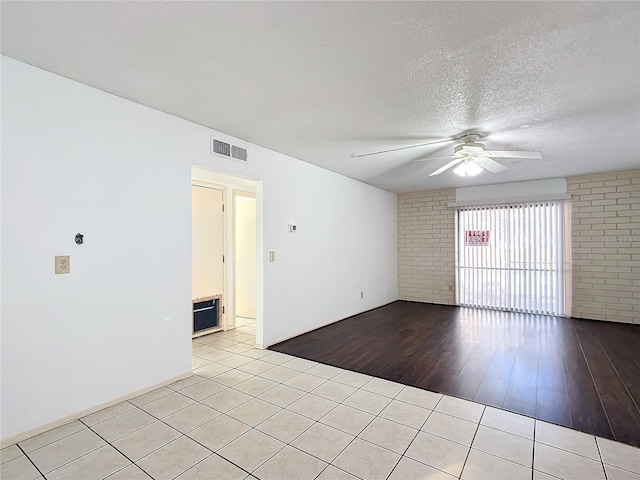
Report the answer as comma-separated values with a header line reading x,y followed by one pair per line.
x,y
468,168
473,169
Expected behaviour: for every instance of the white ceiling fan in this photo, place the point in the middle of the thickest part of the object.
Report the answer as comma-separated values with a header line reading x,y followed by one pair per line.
x,y
470,156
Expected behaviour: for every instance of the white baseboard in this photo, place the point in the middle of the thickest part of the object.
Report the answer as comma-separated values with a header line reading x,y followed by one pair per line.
x,y
307,330
83,413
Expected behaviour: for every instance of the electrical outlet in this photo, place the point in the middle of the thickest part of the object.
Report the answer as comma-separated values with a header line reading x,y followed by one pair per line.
x,y
361,294
63,264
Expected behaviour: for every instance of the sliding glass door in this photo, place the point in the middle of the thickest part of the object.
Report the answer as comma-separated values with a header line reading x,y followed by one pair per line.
x,y
511,257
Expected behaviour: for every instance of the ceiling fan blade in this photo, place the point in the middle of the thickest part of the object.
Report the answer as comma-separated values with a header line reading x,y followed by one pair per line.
x,y
447,166
355,155
426,159
515,154
490,164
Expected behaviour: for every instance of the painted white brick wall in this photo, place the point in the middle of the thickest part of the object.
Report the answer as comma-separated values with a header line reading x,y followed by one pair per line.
x,y
605,246
426,240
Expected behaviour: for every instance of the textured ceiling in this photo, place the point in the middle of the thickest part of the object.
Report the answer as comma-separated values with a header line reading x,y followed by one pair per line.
x,y
322,80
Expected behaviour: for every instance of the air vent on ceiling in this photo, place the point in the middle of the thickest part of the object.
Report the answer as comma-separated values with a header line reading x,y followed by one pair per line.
x,y
228,150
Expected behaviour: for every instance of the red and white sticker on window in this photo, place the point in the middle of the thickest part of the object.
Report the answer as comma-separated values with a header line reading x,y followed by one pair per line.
x,y
477,238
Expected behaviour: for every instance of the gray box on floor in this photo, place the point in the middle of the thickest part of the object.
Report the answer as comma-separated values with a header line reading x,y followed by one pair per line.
x,y
206,313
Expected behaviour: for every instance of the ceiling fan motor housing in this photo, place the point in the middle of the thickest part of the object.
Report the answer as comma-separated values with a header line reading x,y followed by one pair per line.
x,y
470,137
469,148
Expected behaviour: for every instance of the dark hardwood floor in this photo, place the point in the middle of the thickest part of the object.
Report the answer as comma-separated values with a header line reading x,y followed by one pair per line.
x,y
582,374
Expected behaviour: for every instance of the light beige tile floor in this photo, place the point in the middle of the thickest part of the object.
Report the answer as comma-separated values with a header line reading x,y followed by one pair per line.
x,y
250,413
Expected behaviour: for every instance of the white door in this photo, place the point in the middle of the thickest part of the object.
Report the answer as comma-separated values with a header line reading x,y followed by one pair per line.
x,y
208,241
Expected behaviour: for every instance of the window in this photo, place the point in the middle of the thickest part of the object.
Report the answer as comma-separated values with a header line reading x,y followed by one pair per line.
x,y
512,257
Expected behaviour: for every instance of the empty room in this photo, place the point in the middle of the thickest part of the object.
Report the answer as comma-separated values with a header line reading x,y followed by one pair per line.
x,y
320,240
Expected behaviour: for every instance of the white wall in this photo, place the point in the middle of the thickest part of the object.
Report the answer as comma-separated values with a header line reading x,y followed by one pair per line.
x,y
346,243
75,159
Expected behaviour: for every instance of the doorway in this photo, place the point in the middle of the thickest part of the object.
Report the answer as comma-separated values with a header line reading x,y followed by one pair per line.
x,y
250,327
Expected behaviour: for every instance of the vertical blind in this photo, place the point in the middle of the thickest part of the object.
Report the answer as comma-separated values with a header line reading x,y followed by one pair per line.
x,y
511,257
